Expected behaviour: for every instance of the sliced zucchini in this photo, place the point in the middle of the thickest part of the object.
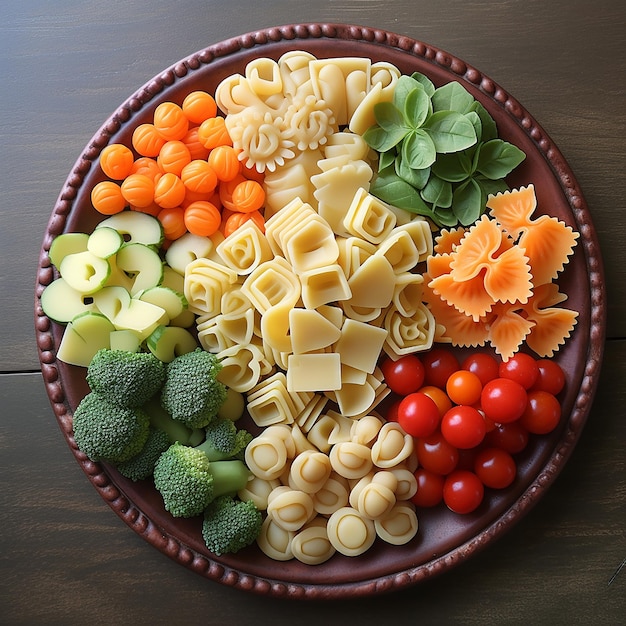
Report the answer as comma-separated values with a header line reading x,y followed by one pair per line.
x,y
104,242
85,272
142,264
66,243
135,227
186,249
173,302
168,342
62,303
83,337
127,340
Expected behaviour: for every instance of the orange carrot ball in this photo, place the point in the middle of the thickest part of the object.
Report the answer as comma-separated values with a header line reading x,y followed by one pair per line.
x,y
116,161
198,176
226,191
173,222
252,173
170,121
196,149
138,190
235,220
224,161
174,155
202,218
147,140
213,133
199,106
248,196
151,209
107,198
169,191
146,166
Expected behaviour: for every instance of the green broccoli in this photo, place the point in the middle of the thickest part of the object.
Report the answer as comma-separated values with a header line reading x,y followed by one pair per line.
x,y
188,481
230,525
191,392
141,466
107,432
128,379
224,440
175,429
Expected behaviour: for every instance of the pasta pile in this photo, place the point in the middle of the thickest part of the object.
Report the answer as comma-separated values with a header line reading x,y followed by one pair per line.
x,y
494,282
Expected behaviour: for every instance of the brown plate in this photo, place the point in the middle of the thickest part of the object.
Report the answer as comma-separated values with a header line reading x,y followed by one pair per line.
x,y
444,539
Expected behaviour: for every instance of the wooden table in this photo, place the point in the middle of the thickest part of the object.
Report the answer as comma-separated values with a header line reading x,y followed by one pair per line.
x,y
65,557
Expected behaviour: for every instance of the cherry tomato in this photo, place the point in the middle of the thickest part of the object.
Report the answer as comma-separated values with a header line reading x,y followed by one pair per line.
x,y
542,413
463,427
503,400
551,377
467,458
392,411
435,454
418,415
483,365
522,368
439,363
495,468
464,387
404,376
512,437
463,491
439,396
429,488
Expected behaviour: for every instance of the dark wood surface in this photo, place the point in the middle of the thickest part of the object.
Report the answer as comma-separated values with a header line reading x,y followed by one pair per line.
x,y
65,557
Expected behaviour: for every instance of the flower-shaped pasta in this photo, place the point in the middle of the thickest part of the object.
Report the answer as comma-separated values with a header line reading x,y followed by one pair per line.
x,y
308,122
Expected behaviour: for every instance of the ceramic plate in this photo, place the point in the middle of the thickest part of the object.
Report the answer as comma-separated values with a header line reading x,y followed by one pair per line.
x,y
444,539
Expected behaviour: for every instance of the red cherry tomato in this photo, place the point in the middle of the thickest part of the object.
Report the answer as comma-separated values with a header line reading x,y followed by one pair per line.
x,y
439,396
463,427
435,454
463,491
464,387
392,411
418,415
495,468
512,437
542,413
551,377
483,365
429,489
521,368
439,363
404,376
503,400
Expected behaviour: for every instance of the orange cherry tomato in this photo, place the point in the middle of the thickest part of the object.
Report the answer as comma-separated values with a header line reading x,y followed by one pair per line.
x,y
439,397
199,106
173,156
116,161
173,222
147,140
202,218
107,198
464,387
213,133
169,191
237,219
248,196
198,176
224,161
138,190
170,121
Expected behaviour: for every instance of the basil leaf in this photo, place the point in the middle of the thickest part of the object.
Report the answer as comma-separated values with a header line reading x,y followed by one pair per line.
x,y
489,186
382,140
450,131
394,191
474,118
388,117
404,87
417,107
467,202
429,88
415,177
418,150
490,130
386,159
437,192
444,217
454,167
498,158
452,97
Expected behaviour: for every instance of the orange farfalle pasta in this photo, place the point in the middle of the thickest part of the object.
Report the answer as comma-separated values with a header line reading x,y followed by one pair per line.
x,y
448,240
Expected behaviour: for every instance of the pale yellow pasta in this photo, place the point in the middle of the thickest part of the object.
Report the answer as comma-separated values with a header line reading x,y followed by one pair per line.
x,y
272,283
300,440
258,490
399,526
313,372
353,252
292,213
311,412
343,427
205,283
372,284
311,544
350,533
272,404
275,541
333,495
264,77
408,334
368,315
324,285
369,218
366,429
266,456
352,375
210,336
234,95
400,250
320,433
360,345
245,249
242,366
309,471
188,248
355,399
373,499
406,483
350,459
308,122
392,446
348,146
295,72
310,244
310,330
290,508
408,293
275,327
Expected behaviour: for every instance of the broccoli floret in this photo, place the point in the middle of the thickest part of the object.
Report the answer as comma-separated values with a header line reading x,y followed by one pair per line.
x,y
224,440
141,466
191,392
107,432
128,379
230,525
188,481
